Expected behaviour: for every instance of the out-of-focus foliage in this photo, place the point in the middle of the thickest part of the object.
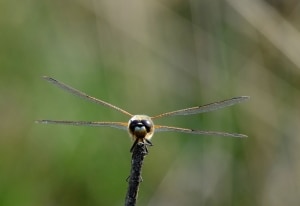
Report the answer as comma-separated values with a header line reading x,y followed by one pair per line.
x,y
150,57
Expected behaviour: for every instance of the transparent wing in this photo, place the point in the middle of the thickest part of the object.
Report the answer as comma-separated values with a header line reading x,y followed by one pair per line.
x,y
159,128
83,95
118,125
205,108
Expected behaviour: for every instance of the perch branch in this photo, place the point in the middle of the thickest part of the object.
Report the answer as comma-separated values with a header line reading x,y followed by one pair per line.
x,y
138,154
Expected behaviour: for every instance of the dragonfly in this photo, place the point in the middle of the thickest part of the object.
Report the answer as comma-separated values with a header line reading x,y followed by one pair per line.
x,y
141,127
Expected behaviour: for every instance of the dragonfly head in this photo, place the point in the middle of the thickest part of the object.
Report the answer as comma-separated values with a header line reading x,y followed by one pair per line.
x,y
141,127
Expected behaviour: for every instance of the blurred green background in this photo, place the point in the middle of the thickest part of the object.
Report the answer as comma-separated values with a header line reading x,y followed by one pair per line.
x,y
150,57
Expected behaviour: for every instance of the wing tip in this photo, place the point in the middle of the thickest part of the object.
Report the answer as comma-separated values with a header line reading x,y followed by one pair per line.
x,y
245,97
241,135
47,78
41,121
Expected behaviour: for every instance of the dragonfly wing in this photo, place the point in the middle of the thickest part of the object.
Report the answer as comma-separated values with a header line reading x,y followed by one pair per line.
x,y
118,125
205,108
83,95
159,128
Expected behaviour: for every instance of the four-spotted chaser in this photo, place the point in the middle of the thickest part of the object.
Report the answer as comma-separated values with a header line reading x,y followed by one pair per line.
x,y
141,127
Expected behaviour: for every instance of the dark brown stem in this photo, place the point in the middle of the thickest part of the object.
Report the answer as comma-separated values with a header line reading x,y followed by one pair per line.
x,y
138,154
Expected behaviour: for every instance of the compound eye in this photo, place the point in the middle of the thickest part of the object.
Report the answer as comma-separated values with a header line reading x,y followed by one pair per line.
x,y
148,124
133,124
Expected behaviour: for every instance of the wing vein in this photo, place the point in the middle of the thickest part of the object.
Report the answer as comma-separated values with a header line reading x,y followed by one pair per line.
x,y
118,125
159,128
83,95
205,108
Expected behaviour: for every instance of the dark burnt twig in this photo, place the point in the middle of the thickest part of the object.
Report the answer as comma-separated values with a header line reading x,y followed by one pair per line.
x,y
138,153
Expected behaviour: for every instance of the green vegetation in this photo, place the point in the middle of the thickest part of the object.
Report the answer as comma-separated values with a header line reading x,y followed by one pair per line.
x,y
149,57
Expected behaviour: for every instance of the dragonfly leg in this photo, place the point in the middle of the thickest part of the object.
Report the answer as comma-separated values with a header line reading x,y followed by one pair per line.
x,y
146,143
133,145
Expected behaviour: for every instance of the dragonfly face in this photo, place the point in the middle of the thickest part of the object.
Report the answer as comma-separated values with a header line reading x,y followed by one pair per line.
x,y
141,127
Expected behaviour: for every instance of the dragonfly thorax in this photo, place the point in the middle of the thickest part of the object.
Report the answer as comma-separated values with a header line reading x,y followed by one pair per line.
x,y
141,127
